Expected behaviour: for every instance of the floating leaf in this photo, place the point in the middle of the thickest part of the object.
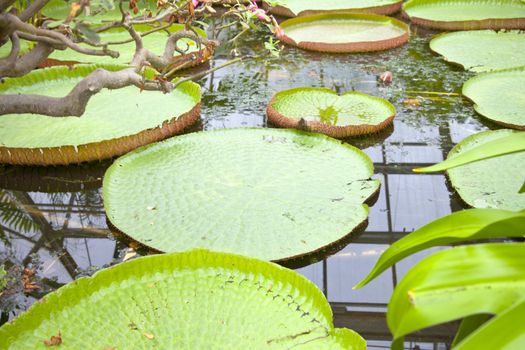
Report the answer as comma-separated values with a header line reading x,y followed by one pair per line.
x,y
492,182
346,32
115,121
457,283
322,110
202,300
466,14
482,50
292,8
268,193
499,143
499,96
473,224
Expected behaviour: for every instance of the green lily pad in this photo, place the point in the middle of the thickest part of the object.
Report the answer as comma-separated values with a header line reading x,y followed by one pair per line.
x,y
115,121
155,42
499,96
345,32
322,110
192,300
292,8
466,14
489,183
272,194
482,50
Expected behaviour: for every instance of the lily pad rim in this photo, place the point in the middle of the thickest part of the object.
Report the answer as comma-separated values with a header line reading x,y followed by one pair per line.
x,y
388,9
455,25
68,295
468,84
350,46
335,131
294,261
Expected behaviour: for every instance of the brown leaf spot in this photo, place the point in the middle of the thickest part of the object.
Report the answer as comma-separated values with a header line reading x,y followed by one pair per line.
x,y
54,340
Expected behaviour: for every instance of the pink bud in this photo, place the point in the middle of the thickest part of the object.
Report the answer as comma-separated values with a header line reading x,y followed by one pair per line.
x,y
195,3
252,7
261,15
386,77
279,32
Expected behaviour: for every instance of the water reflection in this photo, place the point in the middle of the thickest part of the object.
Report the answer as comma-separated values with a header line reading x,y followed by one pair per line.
x,y
53,218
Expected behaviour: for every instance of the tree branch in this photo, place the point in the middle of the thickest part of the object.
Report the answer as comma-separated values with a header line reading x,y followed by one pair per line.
x,y
74,103
14,66
32,9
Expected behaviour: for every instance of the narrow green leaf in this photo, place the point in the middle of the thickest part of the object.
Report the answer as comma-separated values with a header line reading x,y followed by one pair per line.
x,y
504,332
512,143
468,326
464,225
522,189
456,283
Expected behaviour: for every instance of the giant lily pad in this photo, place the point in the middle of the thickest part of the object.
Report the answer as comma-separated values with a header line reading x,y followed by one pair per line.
x,y
499,96
292,8
322,110
115,121
192,300
492,182
155,42
482,50
466,14
268,193
346,32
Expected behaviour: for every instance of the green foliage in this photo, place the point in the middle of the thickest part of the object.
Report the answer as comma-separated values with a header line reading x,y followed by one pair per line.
x,y
466,282
3,280
511,143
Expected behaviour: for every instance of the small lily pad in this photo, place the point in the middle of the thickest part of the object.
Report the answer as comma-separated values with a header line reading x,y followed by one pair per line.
x,y
345,32
115,121
192,300
292,8
499,96
272,194
322,110
489,183
466,14
482,50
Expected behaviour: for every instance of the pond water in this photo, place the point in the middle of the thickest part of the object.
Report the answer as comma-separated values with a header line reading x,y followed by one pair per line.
x,y
53,218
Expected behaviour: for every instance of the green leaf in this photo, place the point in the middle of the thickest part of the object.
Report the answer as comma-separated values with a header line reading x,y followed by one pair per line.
x,y
302,8
193,300
503,332
456,283
268,193
500,95
324,111
88,32
469,325
511,142
473,224
345,32
465,14
522,189
482,50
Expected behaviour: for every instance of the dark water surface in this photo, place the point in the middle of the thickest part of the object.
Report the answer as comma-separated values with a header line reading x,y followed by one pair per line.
x,y
53,218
